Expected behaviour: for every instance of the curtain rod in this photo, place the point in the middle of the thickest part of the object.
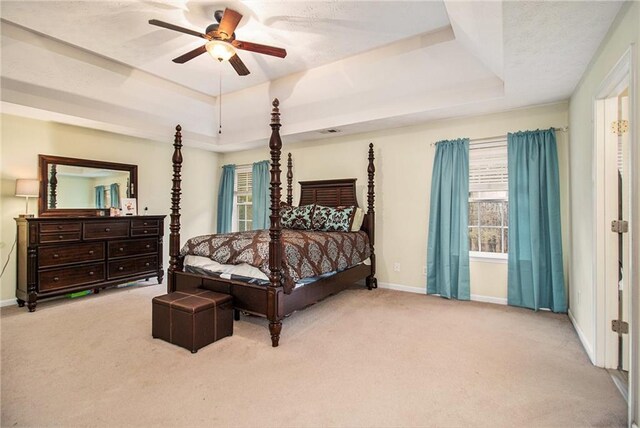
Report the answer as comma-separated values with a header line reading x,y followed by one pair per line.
x,y
240,165
246,165
501,137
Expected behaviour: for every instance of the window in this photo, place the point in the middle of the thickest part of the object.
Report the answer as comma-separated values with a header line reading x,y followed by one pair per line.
x,y
488,199
242,207
489,225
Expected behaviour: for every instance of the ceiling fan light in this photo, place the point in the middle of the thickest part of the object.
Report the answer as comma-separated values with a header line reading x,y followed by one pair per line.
x,y
220,50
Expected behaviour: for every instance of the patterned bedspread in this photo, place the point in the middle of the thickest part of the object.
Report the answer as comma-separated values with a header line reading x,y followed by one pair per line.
x,y
305,254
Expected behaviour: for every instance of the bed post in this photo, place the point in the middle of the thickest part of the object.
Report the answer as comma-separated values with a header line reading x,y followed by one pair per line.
x,y
174,227
289,180
372,281
275,246
53,187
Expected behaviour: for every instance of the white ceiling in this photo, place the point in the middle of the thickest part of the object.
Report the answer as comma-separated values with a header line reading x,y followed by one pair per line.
x,y
353,65
313,33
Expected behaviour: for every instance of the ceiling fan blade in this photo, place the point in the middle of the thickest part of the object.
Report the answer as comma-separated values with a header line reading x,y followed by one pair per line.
x,y
263,49
238,65
230,20
190,55
177,28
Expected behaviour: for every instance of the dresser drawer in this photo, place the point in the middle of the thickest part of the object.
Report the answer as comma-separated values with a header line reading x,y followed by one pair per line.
x,y
61,255
147,231
106,229
60,227
147,264
46,238
132,247
144,223
55,279
120,268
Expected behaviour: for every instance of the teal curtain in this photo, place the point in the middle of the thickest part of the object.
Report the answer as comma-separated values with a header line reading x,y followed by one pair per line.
x,y
100,197
448,246
225,198
114,190
260,194
536,278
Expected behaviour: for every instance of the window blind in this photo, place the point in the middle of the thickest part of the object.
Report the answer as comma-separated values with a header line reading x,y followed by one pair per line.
x,y
488,166
244,181
620,159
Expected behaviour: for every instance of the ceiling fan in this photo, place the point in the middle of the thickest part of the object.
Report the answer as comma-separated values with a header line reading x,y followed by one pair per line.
x,y
222,41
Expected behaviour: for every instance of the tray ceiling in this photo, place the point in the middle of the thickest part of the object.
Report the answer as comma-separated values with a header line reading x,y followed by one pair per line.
x,y
353,65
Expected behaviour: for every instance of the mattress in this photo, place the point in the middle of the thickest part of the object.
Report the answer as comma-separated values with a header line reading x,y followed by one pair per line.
x,y
304,253
241,272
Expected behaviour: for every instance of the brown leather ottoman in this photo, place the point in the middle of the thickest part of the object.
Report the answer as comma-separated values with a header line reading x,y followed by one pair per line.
x,y
192,319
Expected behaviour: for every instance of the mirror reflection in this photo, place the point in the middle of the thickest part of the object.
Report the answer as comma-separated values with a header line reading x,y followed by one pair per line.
x,y
72,186
83,187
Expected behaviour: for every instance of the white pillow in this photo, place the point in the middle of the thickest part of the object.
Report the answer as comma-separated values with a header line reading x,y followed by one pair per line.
x,y
358,217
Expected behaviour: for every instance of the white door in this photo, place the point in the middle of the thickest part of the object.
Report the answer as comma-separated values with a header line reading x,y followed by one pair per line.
x,y
621,129
613,156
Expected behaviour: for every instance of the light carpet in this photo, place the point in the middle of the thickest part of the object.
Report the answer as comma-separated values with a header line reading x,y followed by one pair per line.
x,y
358,359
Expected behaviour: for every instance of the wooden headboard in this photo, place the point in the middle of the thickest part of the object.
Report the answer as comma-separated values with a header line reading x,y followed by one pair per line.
x,y
330,193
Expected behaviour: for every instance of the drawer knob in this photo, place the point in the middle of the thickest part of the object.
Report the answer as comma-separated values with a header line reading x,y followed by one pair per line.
x,y
147,246
59,227
120,249
60,237
144,224
146,264
55,256
91,252
120,268
107,229
146,231
91,273
55,278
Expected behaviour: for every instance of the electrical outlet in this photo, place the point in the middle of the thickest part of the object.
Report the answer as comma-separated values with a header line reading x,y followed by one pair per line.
x,y
396,267
424,271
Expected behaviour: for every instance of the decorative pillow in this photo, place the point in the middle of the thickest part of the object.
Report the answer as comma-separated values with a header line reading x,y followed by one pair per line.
x,y
328,219
296,217
358,218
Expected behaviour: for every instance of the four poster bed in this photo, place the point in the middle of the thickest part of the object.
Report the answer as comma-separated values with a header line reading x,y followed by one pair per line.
x,y
335,260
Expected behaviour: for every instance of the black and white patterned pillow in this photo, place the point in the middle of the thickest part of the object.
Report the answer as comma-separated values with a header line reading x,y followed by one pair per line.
x,y
296,217
329,219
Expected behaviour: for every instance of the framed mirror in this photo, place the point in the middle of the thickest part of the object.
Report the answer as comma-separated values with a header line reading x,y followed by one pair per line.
x,y
83,187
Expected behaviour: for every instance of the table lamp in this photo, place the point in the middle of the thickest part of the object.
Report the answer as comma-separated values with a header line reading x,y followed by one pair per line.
x,y
27,188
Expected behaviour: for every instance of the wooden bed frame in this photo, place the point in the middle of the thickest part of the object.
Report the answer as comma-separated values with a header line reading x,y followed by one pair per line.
x,y
271,301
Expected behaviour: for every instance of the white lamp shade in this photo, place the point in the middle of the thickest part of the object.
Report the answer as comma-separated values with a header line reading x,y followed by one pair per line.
x,y
27,187
220,50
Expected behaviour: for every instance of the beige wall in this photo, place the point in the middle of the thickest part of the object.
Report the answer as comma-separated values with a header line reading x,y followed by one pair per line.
x,y
404,159
624,32
74,192
23,139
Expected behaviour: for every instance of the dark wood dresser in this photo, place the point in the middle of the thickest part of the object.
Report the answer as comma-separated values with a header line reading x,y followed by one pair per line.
x,y
61,255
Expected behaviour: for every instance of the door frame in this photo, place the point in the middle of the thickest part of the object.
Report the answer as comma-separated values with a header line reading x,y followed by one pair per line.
x,y
605,298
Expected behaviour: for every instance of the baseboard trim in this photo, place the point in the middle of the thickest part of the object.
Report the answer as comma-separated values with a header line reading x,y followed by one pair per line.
x,y
408,289
582,337
7,302
621,383
489,299
399,287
